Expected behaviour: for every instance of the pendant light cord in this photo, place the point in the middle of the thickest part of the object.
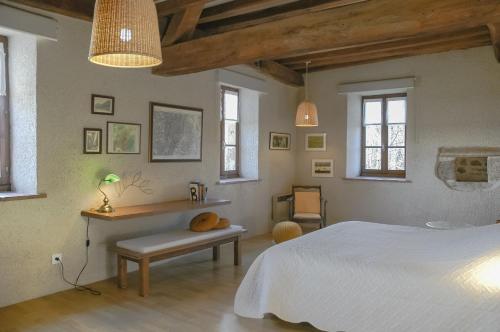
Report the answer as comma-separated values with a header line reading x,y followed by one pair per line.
x,y
307,79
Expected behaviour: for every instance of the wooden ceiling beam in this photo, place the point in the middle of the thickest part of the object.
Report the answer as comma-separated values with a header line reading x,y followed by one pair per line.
x,y
409,50
480,33
356,63
372,21
183,24
279,72
273,14
236,8
169,7
494,29
82,9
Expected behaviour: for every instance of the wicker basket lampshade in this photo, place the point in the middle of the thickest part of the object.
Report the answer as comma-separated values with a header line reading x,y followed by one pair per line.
x,y
307,112
307,115
125,34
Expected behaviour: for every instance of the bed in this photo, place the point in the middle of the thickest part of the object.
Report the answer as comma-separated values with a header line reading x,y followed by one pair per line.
x,y
360,276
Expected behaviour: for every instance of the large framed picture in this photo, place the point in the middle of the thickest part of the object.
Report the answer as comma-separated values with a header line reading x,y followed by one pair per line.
x,y
315,142
124,138
175,133
279,141
322,168
104,105
92,141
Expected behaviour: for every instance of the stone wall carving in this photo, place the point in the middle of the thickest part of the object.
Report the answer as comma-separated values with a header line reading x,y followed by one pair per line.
x,y
445,169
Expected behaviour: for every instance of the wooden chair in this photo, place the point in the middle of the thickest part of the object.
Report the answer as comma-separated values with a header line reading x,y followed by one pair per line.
x,y
307,205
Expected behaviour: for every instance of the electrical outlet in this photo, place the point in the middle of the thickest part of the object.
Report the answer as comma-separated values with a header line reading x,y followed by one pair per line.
x,y
54,257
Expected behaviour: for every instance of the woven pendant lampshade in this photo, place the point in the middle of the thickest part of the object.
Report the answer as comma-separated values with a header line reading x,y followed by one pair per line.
x,y
307,112
307,115
125,34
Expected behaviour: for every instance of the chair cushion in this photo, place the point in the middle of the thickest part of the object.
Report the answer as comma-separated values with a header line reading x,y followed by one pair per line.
x,y
306,216
307,202
173,239
204,222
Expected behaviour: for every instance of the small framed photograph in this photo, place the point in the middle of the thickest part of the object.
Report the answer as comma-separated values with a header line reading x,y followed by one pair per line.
x,y
124,138
104,105
176,133
315,142
279,141
92,141
322,168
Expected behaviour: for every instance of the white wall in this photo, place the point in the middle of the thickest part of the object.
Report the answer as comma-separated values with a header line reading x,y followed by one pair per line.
x,y
249,137
30,231
456,103
22,106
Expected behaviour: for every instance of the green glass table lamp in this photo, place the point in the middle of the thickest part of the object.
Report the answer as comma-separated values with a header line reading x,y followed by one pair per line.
x,y
108,179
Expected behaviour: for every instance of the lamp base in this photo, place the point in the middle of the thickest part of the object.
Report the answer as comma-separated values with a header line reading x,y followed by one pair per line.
x,y
105,208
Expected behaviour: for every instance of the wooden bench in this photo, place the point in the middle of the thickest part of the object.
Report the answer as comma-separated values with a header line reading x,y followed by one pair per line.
x,y
148,249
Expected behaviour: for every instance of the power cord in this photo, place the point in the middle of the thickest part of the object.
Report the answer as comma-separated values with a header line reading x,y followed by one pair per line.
x,y
75,284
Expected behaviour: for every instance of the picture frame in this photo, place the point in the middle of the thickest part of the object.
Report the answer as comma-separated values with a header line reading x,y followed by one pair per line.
x,y
323,168
92,140
103,105
316,142
279,141
175,133
123,138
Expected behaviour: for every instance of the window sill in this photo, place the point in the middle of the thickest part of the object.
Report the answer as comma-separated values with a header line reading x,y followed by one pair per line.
x,y
13,196
236,181
377,179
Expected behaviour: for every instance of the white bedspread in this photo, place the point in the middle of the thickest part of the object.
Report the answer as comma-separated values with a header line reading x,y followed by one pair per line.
x,y
358,276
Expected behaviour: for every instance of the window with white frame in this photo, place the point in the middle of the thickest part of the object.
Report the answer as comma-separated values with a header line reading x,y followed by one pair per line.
x,y
230,132
383,141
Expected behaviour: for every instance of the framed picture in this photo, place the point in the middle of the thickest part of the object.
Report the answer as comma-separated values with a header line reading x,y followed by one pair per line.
x,y
92,141
322,168
103,105
124,138
175,133
279,141
315,142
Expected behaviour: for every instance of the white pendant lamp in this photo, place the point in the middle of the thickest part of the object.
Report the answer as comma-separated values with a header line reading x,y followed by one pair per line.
x,y
307,112
125,34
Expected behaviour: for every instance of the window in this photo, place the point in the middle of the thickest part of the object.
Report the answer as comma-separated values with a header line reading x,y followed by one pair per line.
x,y
383,148
230,132
4,119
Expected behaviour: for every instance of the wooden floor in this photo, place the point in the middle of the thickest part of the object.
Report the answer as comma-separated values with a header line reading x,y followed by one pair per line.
x,y
188,294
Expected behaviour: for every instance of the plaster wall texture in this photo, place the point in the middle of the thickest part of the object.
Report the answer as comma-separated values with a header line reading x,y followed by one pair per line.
x,y
455,104
249,136
22,106
31,231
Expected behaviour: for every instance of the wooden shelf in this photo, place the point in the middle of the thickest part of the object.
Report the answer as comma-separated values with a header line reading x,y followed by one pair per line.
x,y
129,212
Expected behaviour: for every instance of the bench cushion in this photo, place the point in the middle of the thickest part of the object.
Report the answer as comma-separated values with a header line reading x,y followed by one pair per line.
x,y
152,243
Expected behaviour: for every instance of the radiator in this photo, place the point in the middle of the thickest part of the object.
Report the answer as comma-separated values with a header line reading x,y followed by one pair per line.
x,y
281,205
